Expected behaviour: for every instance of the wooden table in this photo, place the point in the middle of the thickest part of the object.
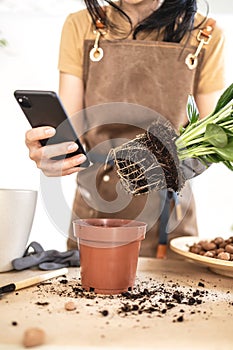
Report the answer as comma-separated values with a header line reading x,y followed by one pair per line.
x,y
181,306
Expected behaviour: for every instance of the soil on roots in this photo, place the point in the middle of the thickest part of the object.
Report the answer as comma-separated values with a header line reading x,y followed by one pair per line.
x,y
150,161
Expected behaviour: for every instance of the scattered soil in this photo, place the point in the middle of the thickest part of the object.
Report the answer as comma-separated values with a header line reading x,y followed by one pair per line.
x,y
147,299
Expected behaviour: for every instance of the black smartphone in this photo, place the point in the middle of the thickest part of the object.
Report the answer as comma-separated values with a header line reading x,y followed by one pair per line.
x,y
45,108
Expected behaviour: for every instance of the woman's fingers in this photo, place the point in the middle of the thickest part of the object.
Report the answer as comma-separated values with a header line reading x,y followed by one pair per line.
x,y
43,155
62,167
35,134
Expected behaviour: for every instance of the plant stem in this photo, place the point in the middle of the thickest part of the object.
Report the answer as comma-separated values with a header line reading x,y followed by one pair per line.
x,y
197,129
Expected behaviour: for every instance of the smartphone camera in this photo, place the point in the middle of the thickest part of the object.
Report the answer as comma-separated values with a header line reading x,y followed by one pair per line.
x,y
24,102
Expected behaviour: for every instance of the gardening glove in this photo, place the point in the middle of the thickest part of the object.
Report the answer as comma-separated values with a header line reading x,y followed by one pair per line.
x,y
46,260
193,167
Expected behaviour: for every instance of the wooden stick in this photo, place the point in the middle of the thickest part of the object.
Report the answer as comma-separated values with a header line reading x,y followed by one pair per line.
x,y
32,281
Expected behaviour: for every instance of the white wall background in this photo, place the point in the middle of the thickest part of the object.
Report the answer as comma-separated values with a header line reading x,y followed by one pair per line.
x,y
32,29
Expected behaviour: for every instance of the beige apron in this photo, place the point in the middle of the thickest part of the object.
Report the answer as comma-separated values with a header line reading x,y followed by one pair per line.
x,y
124,92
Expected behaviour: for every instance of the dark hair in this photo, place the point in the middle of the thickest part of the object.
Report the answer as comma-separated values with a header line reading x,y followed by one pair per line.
x,y
175,16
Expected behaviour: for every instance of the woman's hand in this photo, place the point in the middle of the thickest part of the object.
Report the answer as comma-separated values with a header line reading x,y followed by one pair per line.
x,y
71,94
42,155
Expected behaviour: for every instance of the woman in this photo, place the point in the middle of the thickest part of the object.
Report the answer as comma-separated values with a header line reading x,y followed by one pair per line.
x,y
125,60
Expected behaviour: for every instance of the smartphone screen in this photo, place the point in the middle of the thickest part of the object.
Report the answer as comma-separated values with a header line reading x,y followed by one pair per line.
x,y
45,108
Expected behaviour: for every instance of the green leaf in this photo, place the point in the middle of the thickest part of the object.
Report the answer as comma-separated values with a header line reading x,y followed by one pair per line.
x,y
227,131
192,110
211,158
226,97
228,165
226,152
216,135
3,42
181,130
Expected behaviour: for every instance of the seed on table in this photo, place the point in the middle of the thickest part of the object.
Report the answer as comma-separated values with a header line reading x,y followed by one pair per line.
x,y
70,306
229,248
222,245
208,245
209,254
202,252
33,337
220,250
218,240
224,256
196,248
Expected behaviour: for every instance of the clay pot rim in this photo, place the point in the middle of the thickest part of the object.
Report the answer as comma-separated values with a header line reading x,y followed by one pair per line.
x,y
126,223
119,230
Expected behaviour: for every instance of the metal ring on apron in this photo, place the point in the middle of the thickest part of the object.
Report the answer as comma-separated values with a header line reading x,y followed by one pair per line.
x,y
191,61
96,54
204,38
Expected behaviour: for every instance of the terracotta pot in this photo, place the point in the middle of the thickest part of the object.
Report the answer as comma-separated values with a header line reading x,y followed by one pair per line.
x,y
109,251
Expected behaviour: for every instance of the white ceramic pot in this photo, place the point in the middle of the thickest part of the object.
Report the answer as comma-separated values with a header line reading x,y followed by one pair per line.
x,y
17,209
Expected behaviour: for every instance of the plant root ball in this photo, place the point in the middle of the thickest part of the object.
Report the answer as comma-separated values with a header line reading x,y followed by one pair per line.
x,y
150,161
